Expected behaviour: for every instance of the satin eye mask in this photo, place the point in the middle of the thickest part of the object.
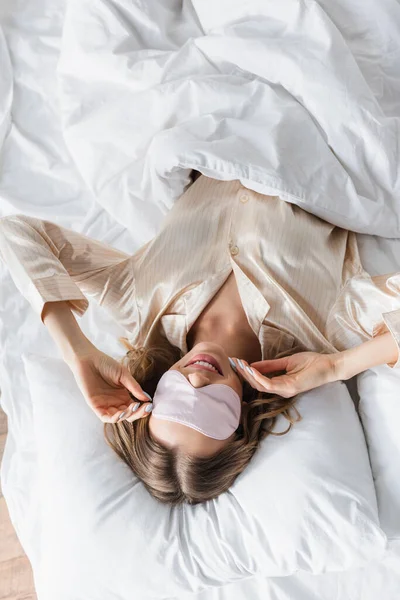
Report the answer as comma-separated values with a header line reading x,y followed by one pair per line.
x,y
214,409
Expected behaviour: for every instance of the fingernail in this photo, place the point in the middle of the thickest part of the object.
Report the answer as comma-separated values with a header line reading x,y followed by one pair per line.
x,y
240,363
250,370
232,363
148,408
121,415
135,406
148,395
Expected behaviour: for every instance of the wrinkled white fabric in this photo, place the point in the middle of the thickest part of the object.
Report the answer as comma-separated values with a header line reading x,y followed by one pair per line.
x,y
277,94
38,177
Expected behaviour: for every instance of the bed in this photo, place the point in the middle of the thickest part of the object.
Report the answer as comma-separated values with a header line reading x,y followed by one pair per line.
x,y
79,147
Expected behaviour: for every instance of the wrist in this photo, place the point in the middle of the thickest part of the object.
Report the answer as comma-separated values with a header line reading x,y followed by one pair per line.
x,y
379,350
75,351
343,365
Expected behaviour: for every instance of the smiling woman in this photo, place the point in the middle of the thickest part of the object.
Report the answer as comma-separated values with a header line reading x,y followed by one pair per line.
x,y
225,277
204,399
176,462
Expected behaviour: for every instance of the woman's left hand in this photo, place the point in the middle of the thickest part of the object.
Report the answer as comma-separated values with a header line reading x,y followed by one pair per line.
x,y
304,371
104,383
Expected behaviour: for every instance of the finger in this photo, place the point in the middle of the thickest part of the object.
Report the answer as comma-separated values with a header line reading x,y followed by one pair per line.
x,y
133,411
139,413
132,385
268,366
281,385
243,370
111,414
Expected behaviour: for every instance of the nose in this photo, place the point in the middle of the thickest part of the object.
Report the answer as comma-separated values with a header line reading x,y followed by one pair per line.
x,y
199,379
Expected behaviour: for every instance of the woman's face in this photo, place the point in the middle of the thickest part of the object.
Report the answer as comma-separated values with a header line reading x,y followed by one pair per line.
x,y
172,434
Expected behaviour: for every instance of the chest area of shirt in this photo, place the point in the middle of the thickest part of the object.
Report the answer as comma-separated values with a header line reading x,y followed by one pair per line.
x,y
225,222
246,306
226,310
227,300
226,305
188,268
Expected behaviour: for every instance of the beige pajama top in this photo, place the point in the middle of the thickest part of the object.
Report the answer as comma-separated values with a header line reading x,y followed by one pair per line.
x,y
300,278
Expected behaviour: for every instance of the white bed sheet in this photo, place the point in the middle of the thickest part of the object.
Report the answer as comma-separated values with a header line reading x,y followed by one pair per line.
x,y
306,88
38,177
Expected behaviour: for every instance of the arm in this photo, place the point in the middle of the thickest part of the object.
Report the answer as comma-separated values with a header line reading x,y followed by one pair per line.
x,y
307,370
50,263
65,331
107,386
53,267
382,349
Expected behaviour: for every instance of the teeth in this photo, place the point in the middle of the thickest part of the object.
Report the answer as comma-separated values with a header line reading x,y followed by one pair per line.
x,y
203,362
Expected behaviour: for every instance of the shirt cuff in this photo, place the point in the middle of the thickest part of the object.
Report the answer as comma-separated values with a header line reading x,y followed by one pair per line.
x,y
391,324
54,289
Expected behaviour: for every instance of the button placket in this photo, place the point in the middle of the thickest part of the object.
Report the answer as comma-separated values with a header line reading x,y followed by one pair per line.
x,y
233,248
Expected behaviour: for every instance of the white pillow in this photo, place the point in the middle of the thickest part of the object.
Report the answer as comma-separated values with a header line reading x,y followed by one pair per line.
x,y
306,502
379,408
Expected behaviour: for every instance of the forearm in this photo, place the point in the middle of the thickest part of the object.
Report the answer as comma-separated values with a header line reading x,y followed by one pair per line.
x,y
382,349
65,331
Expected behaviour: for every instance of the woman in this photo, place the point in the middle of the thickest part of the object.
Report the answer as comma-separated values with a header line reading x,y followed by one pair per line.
x,y
232,273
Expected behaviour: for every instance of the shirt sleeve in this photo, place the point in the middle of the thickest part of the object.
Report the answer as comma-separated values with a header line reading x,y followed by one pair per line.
x,y
391,323
49,262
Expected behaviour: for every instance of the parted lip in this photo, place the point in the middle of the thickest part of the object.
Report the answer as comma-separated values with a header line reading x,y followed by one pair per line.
x,y
208,358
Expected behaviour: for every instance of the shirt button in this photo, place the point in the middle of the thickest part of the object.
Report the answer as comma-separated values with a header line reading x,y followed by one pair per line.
x,y
234,250
243,198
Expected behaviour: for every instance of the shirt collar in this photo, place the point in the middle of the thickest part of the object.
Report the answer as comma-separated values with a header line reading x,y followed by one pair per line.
x,y
176,325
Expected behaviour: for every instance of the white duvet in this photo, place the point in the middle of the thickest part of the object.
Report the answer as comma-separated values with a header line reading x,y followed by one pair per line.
x,y
115,101
295,98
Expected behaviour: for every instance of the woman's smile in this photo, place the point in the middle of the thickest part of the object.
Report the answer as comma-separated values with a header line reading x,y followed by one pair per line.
x,y
205,362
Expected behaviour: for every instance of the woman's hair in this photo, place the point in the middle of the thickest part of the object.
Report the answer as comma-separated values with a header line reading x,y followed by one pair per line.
x,y
171,475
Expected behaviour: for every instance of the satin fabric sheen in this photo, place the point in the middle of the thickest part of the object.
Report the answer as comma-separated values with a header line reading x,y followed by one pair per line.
x,y
213,410
300,278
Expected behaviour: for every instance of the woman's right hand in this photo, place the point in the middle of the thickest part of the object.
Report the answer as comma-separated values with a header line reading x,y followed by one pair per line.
x,y
108,387
304,371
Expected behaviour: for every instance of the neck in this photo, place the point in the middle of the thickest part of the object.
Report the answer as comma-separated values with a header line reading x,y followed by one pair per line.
x,y
235,341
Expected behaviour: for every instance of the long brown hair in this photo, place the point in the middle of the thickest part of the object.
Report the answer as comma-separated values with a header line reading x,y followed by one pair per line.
x,y
170,475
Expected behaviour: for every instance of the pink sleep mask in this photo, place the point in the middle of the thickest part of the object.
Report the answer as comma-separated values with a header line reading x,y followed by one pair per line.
x,y
214,409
